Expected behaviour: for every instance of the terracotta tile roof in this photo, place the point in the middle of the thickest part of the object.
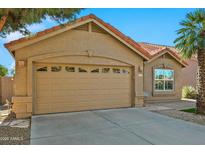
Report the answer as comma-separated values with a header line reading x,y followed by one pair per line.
x,y
44,32
151,48
155,49
91,16
148,50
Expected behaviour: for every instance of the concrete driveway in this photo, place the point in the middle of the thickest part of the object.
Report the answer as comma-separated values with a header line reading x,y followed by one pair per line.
x,y
114,126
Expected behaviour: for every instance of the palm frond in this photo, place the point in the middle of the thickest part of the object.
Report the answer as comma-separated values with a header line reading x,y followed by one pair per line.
x,y
191,35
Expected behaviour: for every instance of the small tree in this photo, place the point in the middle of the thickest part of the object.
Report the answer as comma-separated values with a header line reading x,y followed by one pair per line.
x,y
12,20
3,71
191,41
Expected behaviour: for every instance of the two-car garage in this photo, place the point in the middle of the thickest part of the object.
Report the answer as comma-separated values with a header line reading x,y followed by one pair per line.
x,y
85,65
63,87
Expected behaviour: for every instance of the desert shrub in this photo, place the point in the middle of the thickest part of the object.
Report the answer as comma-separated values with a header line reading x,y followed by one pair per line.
x,y
189,92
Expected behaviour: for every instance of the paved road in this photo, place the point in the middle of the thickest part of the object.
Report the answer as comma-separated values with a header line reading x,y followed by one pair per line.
x,y
114,126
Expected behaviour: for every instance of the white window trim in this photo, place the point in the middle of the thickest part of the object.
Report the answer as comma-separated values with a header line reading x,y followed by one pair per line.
x,y
164,90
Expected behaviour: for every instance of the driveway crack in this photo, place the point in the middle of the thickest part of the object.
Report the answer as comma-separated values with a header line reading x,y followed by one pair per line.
x,y
99,115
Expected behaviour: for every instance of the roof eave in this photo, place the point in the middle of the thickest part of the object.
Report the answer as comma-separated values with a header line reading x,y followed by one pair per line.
x,y
170,52
22,42
10,52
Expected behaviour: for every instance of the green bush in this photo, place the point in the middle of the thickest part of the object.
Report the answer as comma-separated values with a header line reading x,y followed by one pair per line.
x,y
191,110
189,92
3,71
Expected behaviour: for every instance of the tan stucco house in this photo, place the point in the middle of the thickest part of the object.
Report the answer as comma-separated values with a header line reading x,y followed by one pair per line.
x,y
88,64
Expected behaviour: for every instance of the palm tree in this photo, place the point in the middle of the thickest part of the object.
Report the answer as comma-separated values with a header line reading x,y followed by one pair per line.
x,y
191,42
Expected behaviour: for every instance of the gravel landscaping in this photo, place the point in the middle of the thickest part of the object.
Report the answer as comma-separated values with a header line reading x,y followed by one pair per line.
x,y
192,117
173,109
14,135
14,131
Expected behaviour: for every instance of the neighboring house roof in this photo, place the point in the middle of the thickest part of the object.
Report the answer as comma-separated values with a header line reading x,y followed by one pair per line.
x,y
146,50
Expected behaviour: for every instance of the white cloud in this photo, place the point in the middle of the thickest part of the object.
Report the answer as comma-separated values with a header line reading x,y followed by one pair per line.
x,y
16,35
36,28
12,65
13,36
48,19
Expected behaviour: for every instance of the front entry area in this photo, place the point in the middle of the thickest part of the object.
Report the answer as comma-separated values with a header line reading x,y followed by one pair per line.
x,y
65,87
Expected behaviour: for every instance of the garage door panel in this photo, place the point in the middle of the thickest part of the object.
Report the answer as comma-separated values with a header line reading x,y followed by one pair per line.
x,y
81,89
87,81
92,86
88,74
45,93
104,96
82,98
84,78
83,105
43,108
80,80
86,87
88,105
74,100
63,93
82,92
76,91
96,82
64,96
63,103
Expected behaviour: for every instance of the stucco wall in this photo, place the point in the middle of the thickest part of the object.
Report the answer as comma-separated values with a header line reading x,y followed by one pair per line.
x,y
165,61
78,43
190,73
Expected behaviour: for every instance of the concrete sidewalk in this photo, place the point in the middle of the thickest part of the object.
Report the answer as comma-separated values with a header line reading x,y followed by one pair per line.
x,y
179,105
116,126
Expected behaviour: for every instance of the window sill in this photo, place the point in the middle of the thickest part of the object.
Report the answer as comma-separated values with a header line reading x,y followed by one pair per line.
x,y
164,93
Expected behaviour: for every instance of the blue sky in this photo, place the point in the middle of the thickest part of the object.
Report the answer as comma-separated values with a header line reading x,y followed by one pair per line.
x,y
143,25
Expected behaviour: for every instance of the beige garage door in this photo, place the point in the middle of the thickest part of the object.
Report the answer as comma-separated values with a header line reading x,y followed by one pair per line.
x,y
62,88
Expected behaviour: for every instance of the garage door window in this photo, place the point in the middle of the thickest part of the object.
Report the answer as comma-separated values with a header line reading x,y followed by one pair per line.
x,y
82,70
95,70
56,68
116,70
125,71
70,69
42,69
105,70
